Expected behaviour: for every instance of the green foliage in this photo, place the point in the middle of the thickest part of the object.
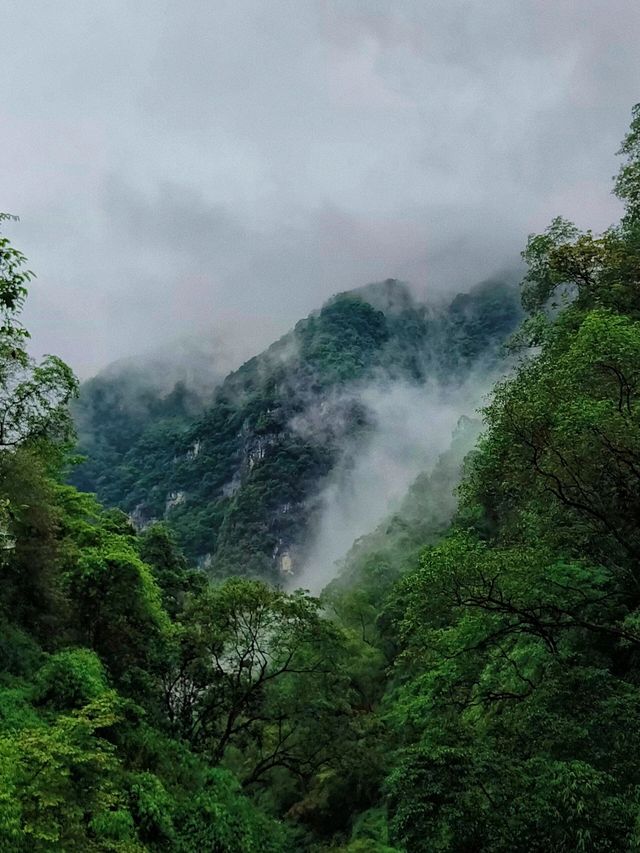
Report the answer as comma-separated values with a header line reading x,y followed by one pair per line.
x,y
52,776
84,643
170,568
249,656
69,679
33,397
221,819
627,185
238,485
560,456
469,683
116,606
582,269
377,560
339,343
13,283
507,705
513,703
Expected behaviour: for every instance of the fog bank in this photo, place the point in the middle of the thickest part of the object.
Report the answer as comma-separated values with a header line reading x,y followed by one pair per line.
x,y
411,427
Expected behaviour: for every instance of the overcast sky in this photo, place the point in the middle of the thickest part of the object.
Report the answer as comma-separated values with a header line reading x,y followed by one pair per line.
x,y
182,167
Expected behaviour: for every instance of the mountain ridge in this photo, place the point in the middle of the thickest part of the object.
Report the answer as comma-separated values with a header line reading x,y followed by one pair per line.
x,y
240,480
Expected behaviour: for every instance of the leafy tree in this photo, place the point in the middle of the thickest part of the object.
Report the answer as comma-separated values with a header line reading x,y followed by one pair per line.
x,y
53,776
81,613
514,698
170,568
252,662
33,397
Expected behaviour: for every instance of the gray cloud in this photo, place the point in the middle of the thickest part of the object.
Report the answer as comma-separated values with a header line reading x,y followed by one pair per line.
x,y
412,427
222,168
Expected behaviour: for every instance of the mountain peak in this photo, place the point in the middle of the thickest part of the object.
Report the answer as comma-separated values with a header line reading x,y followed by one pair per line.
x,y
241,482
390,296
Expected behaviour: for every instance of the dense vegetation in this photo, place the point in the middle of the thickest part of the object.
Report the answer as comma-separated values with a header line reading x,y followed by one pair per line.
x,y
239,483
471,685
513,698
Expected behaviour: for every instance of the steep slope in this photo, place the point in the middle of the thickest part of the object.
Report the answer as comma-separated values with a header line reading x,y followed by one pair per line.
x,y
240,484
112,415
376,560
158,392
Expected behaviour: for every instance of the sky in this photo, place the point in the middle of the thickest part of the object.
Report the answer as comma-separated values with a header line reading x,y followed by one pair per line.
x,y
217,169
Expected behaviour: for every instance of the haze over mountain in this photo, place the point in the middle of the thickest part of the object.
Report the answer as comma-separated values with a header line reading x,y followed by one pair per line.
x,y
226,169
309,444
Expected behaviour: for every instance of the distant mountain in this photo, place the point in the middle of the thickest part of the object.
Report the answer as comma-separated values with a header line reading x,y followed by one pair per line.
x,y
239,477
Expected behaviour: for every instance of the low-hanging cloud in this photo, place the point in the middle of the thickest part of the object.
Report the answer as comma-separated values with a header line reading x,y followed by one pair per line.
x,y
185,169
412,425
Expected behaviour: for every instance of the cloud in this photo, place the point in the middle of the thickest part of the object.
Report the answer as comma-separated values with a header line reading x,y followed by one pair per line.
x,y
412,425
180,169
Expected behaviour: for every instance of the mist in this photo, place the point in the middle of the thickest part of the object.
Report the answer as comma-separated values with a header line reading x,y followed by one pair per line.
x,y
200,363
185,170
412,425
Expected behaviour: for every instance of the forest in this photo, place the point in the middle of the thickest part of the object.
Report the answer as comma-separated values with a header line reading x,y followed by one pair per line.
x,y
221,469
469,682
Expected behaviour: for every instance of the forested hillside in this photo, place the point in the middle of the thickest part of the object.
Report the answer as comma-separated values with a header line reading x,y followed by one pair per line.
x,y
470,682
240,484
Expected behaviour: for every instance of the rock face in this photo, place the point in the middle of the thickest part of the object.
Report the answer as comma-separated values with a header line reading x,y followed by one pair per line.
x,y
240,484
174,499
285,565
140,517
194,450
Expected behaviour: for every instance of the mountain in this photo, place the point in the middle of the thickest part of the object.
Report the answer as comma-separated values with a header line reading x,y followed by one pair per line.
x,y
240,481
421,519
157,390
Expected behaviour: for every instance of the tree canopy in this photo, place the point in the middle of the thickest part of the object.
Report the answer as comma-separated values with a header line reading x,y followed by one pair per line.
x,y
471,680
